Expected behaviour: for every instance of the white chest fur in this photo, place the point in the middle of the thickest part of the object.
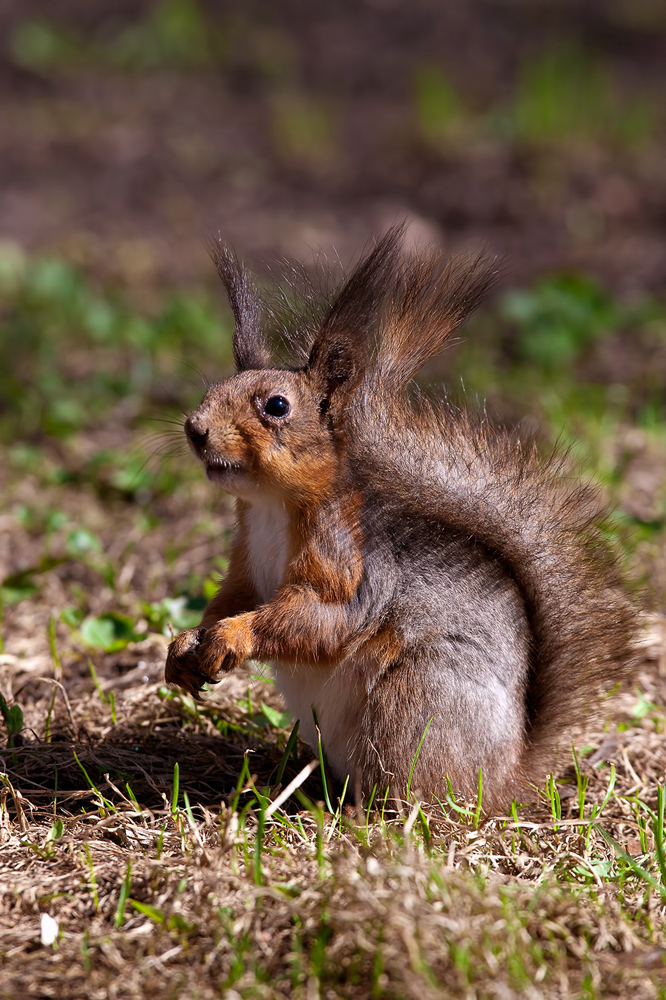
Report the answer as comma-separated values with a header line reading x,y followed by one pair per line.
x,y
337,693
338,696
268,546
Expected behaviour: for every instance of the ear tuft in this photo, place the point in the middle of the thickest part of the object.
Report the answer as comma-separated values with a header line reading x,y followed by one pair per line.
x,y
432,298
342,348
249,344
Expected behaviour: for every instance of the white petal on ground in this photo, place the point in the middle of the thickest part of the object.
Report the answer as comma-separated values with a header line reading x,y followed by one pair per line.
x,y
49,930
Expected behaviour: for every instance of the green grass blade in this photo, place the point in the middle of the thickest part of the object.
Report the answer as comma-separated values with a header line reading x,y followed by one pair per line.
x,y
658,830
291,743
322,763
124,896
416,756
175,789
633,865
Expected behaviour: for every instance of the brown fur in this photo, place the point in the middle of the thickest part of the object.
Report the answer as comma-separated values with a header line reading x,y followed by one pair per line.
x,y
404,565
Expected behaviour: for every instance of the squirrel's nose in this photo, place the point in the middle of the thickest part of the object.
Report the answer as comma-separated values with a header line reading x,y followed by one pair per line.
x,y
196,430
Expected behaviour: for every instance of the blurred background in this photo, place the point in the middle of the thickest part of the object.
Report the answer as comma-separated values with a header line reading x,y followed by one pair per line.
x,y
133,130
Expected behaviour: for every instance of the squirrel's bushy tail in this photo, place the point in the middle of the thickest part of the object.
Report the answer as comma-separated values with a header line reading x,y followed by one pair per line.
x,y
486,485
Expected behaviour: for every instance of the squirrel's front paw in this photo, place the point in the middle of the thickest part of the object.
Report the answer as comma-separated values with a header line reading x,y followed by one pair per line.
x,y
182,662
225,646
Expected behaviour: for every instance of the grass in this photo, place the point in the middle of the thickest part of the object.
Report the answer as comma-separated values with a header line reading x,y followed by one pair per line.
x,y
152,845
567,93
187,897
176,34
562,96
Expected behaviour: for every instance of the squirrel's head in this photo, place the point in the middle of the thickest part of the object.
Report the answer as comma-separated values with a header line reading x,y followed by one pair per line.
x,y
264,432
272,430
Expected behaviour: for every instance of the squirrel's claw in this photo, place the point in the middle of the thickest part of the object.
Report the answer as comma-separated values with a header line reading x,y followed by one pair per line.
x,y
198,656
223,648
182,663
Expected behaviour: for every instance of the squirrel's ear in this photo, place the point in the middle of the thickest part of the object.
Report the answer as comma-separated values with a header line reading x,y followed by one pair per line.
x,y
249,344
342,349
334,361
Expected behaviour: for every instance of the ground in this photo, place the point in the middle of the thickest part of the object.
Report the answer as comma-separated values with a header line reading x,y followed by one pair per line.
x,y
141,855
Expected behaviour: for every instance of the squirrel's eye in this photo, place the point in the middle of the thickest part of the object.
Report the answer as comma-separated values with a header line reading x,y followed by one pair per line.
x,y
277,406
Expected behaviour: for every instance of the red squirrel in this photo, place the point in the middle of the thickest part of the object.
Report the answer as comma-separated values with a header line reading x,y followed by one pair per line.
x,y
426,582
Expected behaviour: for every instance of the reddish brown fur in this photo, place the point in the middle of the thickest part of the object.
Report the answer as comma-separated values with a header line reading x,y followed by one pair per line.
x,y
404,565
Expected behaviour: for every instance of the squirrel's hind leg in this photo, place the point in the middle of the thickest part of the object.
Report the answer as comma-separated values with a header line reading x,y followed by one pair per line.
x,y
431,721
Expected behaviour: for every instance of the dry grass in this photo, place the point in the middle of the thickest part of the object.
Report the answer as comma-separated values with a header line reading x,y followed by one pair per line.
x,y
141,823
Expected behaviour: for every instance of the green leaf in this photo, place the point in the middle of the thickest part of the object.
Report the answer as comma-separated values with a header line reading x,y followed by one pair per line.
x,y
177,922
14,595
14,720
277,719
71,616
20,586
560,317
149,911
55,520
438,105
180,612
110,632
124,896
81,541
57,830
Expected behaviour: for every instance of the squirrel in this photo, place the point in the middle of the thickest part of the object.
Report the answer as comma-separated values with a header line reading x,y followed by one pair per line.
x,y
430,584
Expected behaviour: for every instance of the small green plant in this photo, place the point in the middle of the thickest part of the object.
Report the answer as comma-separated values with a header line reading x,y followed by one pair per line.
x,y
70,351
98,686
657,881
86,857
125,889
568,93
559,318
112,706
22,586
581,784
42,44
553,794
479,800
598,808
105,805
179,612
53,647
175,789
303,129
439,108
110,631
288,750
322,761
13,719
56,833
176,34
